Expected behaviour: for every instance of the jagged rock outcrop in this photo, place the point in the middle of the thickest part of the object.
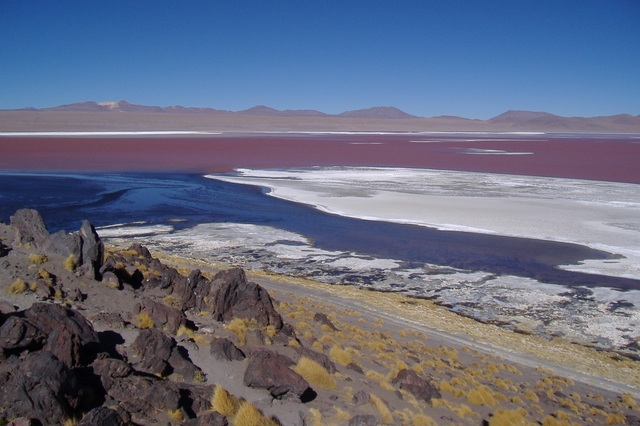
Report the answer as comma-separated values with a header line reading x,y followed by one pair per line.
x,y
29,228
233,296
270,370
163,316
419,386
224,350
323,319
92,250
85,245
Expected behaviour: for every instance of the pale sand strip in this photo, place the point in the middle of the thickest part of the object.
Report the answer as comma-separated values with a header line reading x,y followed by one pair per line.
x,y
601,215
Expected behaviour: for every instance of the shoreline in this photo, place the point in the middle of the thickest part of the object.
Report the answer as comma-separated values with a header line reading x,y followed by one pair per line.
x,y
547,217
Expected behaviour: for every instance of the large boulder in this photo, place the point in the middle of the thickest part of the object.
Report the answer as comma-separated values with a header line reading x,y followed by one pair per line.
x,y
318,357
40,387
224,350
156,353
163,316
270,370
18,334
29,228
232,296
71,337
102,416
193,290
64,245
419,386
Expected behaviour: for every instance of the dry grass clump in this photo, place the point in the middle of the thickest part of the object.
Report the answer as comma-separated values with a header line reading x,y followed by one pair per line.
x,y
144,320
248,415
17,287
531,396
191,334
422,420
383,410
481,395
175,415
340,356
70,263
315,373
510,418
224,403
240,326
38,259
317,346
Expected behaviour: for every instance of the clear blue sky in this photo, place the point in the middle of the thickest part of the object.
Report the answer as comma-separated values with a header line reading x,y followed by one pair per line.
x,y
475,59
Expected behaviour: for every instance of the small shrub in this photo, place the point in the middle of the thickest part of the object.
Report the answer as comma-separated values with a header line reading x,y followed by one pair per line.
x,y
383,410
175,415
482,395
615,419
509,418
224,403
38,259
248,415
531,396
239,326
70,263
422,420
340,356
270,330
317,346
315,373
199,377
144,320
17,287
293,343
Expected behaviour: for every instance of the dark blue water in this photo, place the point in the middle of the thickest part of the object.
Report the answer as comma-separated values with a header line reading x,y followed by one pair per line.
x,y
64,200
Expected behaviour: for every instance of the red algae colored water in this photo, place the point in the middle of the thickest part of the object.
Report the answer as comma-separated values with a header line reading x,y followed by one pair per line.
x,y
598,158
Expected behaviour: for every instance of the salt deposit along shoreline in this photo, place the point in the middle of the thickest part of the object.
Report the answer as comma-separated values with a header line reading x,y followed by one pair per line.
x,y
596,214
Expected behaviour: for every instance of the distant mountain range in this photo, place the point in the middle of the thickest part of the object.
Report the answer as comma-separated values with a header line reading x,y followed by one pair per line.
x,y
126,116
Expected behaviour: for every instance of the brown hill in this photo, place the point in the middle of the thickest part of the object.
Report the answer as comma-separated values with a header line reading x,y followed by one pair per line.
x,y
122,116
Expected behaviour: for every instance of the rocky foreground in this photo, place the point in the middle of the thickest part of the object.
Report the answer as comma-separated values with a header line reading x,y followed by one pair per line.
x,y
95,336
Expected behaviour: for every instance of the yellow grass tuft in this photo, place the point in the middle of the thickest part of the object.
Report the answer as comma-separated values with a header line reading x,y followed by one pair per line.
x,y
326,328
341,414
224,403
270,330
38,259
422,420
199,377
70,263
510,418
482,395
293,343
317,346
383,410
628,400
239,326
248,415
340,356
17,287
615,419
315,373
531,396
317,416
144,320
175,415
445,386
42,273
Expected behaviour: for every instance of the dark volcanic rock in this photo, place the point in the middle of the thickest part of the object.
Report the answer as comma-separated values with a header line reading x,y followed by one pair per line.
x,y
224,350
101,416
156,353
420,387
92,250
233,296
64,245
208,419
18,334
318,357
41,387
193,290
29,227
4,250
70,336
163,316
270,370
110,370
360,398
323,319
